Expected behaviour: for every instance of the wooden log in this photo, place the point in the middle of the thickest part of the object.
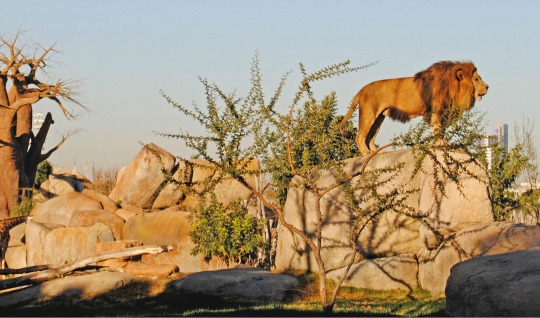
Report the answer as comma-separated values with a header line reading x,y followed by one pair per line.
x,y
24,270
63,270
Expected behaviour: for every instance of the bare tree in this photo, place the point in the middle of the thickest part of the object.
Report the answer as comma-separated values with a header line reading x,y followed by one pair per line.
x,y
22,68
530,200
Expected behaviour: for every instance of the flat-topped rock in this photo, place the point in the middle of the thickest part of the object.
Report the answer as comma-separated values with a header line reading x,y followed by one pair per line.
x,y
247,284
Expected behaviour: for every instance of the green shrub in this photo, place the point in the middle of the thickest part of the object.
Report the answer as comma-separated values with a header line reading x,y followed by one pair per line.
x,y
44,169
230,234
23,208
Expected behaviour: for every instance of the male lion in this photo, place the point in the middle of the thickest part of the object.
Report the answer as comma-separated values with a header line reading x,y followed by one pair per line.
x,y
429,93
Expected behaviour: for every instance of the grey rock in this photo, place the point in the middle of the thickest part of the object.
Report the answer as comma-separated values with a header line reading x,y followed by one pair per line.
x,y
504,285
247,284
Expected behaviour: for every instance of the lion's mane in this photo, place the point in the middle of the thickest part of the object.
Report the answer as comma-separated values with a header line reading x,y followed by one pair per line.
x,y
441,89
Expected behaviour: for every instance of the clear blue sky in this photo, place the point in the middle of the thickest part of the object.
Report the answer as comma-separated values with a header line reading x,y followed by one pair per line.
x,y
124,52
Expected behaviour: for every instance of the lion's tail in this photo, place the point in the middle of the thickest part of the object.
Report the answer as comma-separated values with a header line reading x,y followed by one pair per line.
x,y
346,118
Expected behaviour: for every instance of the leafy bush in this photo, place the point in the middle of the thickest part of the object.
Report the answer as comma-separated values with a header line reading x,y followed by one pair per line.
x,y
23,208
315,143
229,233
44,169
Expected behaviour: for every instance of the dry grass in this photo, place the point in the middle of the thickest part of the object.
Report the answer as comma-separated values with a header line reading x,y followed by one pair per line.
x,y
104,180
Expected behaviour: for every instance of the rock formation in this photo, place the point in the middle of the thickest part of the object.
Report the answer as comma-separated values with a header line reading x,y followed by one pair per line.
x,y
442,231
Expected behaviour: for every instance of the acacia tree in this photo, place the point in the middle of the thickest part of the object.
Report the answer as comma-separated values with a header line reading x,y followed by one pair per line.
x,y
22,69
250,127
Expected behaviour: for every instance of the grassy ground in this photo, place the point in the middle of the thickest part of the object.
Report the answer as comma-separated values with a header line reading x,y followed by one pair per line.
x,y
151,297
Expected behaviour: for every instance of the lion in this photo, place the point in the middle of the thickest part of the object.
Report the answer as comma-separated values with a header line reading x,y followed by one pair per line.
x,y
429,93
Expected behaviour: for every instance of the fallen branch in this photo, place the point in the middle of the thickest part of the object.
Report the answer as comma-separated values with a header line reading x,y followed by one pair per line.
x,y
24,270
38,278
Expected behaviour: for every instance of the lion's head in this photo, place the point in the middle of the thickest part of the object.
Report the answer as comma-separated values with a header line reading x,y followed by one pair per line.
x,y
480,87
450,84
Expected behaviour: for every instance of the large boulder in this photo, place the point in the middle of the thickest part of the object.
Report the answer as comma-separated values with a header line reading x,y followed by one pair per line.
x,y
66,245
504,285
167,228
479,240
385,233
141,181
59,210
245,284
35,241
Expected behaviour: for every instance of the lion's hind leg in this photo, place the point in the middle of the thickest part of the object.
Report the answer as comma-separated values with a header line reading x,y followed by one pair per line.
x,y
374,131
366,122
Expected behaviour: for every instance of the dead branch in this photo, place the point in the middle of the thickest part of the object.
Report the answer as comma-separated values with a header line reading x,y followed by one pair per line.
x,y
70,133
24,270
63,270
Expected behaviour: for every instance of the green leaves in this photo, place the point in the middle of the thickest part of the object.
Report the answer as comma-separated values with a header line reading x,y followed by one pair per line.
x,y
44,169
230,234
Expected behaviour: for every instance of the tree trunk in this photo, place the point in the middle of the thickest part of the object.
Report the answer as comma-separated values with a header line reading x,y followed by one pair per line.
x,y
34,156
9,163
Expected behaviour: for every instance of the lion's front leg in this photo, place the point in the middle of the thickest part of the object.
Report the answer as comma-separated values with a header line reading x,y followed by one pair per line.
x,y
437,130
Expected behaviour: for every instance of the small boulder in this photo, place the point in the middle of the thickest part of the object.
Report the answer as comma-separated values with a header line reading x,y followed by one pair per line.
x,y
16,257
245,284
105,201
504,285
59,210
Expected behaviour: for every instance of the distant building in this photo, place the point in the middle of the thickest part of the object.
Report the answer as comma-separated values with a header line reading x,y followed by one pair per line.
x,y
490,141
39,118
502,133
